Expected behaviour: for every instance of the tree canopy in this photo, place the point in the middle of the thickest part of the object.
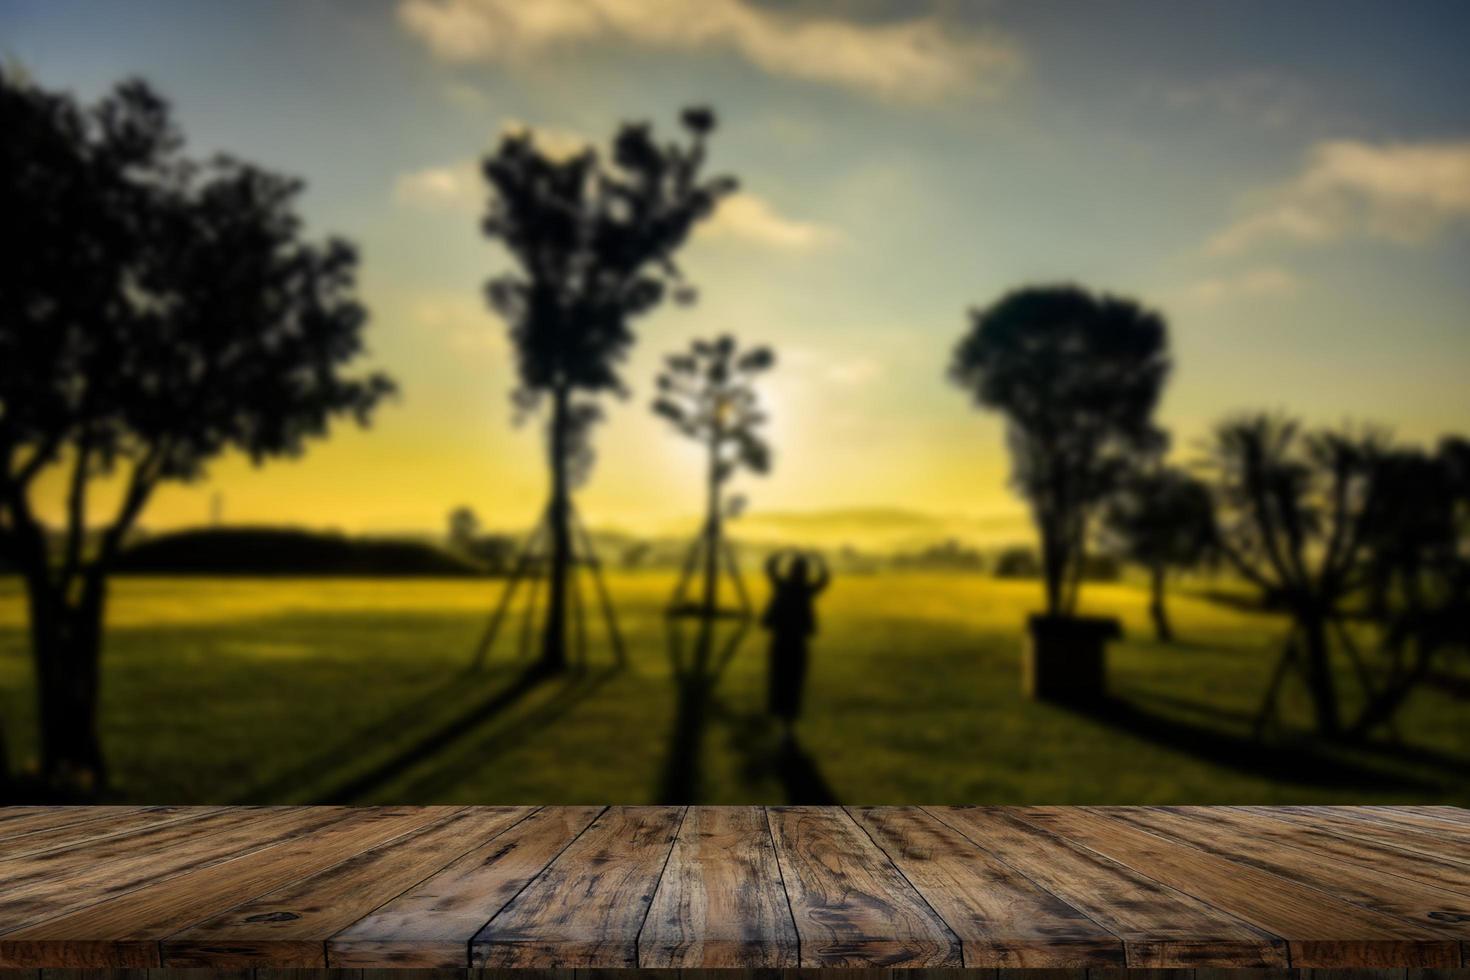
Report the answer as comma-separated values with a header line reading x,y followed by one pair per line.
x,y
156,311
708,394
594,244
1077,376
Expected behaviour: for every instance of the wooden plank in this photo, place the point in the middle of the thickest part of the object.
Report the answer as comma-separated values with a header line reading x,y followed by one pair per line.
x,y
431,925
1002,919
586,908
851,905
1397,816
1322,931
720,903
1438,910
289,927
1449,847
130,820
127,929
18,821
53,883
1391,862
1161,927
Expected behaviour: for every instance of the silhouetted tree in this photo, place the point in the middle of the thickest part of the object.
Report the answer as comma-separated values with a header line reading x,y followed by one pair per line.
x,y
1297,512
709,395
594,243
155,312
1017,561
1417,575
1162,519
464,527
1077,376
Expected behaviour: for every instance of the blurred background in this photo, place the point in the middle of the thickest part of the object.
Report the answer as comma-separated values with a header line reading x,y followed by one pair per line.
x,y
734,401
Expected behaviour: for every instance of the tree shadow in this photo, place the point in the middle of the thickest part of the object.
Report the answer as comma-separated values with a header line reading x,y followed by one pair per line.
x,y
578,687
783,760
346,753
1300,762
360,786
696,674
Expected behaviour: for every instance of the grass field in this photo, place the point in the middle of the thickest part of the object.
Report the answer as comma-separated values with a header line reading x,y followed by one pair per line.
x,y
349,690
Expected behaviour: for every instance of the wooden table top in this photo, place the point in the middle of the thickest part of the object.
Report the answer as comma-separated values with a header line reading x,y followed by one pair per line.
x,y
707,887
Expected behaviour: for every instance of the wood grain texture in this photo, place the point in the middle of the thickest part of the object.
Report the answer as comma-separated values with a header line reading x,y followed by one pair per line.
x,y
127,929
50,884
1442,912
851,906
289,927
576,893
18,821
1445,845
1322,931
1376,856
1002,919
586,908
1161,927
720,903
129,820
430,925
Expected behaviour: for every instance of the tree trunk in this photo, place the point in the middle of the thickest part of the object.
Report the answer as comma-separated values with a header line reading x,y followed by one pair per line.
x,y
1156,608
1053,567
1319,674
66,643
712,532
559,517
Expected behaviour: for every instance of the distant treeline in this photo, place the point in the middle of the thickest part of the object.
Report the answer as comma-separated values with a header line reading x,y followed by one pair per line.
x,y
288,551
299,551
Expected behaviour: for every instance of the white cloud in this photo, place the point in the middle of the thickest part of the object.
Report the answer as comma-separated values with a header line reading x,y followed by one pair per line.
x,y
456,187
1399,192
913,60
461,187
466,96
746,217
826,366
854,371
1265,99
1251,284
555,143
463,324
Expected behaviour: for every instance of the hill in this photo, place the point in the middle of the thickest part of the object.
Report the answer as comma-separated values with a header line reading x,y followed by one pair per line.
x,y
287,551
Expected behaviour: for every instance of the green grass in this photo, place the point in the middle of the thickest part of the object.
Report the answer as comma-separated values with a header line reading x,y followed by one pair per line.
x,y
299,690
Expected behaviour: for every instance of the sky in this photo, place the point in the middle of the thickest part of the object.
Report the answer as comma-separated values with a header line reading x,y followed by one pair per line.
x,y
1289,184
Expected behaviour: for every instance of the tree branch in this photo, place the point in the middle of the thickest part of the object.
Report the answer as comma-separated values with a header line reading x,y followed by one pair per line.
x,y
141,481
76,511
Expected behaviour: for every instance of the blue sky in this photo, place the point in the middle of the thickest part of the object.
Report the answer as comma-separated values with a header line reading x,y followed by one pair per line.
x,y
1289,183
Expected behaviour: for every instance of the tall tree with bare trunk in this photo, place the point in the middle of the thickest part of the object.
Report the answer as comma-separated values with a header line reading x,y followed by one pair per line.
x,y
155,313
593,243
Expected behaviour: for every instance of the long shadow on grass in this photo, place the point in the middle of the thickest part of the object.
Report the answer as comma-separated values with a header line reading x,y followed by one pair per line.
x,y
442,780
799,776
1301,763
342,756
696,675
784,760
362,785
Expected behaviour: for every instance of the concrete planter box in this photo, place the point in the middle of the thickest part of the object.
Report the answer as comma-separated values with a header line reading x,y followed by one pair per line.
x,y
1065,658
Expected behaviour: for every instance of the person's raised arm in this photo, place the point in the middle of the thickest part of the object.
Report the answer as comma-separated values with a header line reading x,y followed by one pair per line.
x,y
773,571
824,574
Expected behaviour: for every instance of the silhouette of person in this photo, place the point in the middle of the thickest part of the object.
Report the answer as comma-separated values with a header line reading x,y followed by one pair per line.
x,y
792,619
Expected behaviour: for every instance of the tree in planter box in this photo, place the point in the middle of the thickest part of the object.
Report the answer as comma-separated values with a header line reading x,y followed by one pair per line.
x,y
1077,376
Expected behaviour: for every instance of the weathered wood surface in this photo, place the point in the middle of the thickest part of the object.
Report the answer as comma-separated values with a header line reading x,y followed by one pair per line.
x,y
1062,893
